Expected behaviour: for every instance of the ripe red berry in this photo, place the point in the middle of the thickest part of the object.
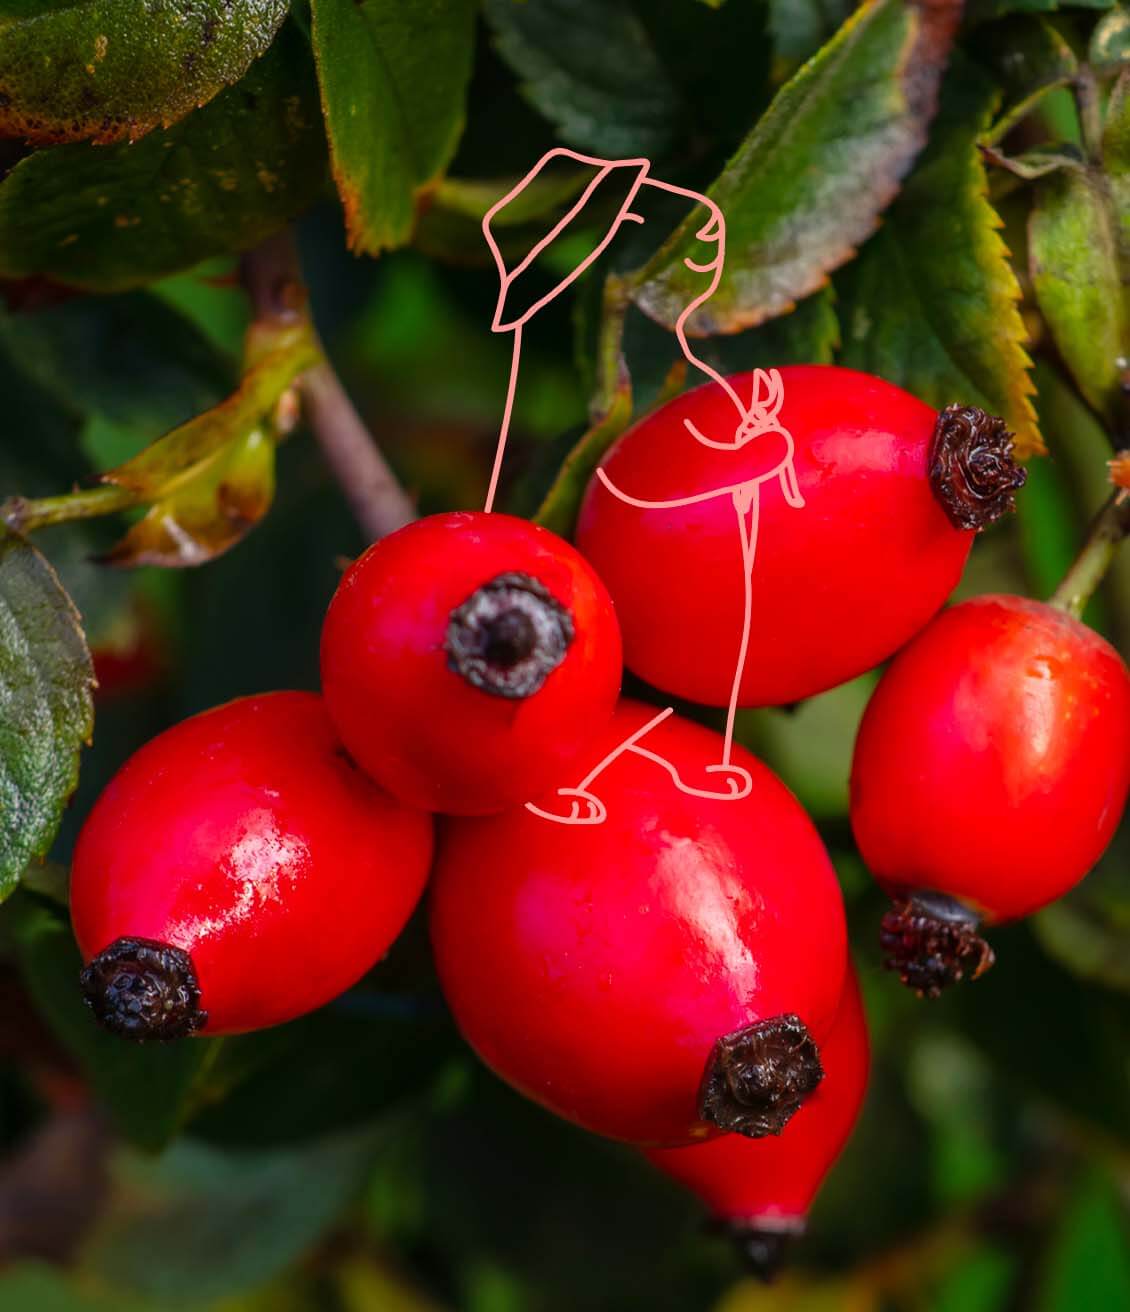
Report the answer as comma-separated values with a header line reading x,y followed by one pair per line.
x,y
239,871
990,772
892,492
657,976
467,659
760,1191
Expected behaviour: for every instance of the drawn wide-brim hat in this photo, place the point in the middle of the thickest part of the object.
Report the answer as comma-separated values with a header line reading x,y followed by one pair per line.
x,y
609,190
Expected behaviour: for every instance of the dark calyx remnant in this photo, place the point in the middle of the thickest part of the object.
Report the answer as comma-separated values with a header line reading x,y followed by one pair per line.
x,y
508,636
757,1078
763,1248
931,940
141,989
972,470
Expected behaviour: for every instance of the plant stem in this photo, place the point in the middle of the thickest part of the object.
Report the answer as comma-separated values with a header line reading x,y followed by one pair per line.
x,y
1109,528
1088,103
615,302
25,514
272,275
379,504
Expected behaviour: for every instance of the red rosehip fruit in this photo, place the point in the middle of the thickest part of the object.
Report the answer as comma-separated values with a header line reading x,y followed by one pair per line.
x,y
467,660
657,977
760,1191
892,495
990,772
239,871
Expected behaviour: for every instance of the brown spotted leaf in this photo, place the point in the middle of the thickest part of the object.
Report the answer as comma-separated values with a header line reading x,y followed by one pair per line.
x,y
108,218
810,181
393,75
104,70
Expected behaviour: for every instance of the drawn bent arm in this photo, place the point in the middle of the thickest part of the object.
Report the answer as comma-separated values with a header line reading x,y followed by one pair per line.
x,y
675,503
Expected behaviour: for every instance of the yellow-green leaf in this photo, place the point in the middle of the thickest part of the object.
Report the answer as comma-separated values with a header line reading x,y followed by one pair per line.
x,y
1073,251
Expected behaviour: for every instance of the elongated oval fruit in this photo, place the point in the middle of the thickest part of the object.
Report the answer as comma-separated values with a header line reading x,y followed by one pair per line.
x,y
239,871
468,659
990,772
893,493
661,975
760,1191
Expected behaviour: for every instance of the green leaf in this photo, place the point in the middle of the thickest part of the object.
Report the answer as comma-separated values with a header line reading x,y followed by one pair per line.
x,y
1091,1083
809,182
1116,163
451,226
1030,58
133,359
1088,1264
810,746
143,1088
1110,41
114,217
591,69
932,301
558,510
809,334
105,70
203,1223
1089,929
980,11
800,27
32,1284
393,77
211,480
46,711
1074,261
341,1067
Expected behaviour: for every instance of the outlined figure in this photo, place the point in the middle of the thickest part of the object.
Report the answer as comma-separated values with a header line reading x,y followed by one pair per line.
x,y
754,418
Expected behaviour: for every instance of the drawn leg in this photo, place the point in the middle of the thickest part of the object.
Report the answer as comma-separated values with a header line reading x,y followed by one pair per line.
x,y
585,808
508,410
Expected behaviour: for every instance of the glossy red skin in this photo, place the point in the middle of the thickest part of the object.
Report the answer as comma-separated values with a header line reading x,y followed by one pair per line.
x,y
594,967
993,760
774,1180
838,585
418,727
245,837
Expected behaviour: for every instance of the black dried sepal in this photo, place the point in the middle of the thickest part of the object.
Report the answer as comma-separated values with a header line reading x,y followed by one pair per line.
x,y
508,636
931,941
757,1078
141,989
972,470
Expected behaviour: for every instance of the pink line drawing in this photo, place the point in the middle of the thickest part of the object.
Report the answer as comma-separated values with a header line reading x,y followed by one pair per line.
x,y
758,417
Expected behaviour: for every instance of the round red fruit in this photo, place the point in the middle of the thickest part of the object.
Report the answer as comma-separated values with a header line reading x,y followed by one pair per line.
x,y
467,660
658,976
761,1190
892,495
991,769
239,871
